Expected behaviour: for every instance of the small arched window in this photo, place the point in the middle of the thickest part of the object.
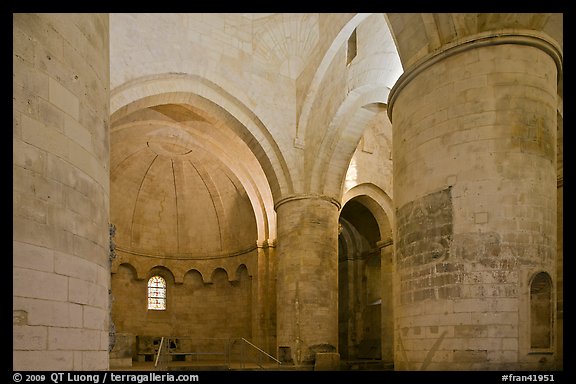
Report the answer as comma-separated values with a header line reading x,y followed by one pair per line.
x,y
157,293
352,50
541,311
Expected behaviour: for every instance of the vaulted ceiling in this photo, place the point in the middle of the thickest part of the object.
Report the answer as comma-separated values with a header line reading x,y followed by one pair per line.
x,y
172,194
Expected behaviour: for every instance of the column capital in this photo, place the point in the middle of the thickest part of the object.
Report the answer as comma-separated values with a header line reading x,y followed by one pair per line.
x,y
384,243
304,196
530,38
267,243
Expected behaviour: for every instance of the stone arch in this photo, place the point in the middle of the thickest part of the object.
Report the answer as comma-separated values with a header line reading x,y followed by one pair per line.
x,y
379,204
163,271
122,272
315,86
369,79
140,269
195,277
158,89
345,131
242,273
115,268
377,201
169,279
219,276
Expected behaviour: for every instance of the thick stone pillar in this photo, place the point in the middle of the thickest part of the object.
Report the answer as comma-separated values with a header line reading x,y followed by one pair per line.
x,y
61,266
560,250
307,278
474,139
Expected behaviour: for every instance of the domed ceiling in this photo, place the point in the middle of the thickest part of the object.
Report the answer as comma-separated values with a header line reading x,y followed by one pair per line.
x,y
172,195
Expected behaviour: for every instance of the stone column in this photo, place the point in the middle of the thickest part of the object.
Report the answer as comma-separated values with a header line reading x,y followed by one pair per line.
x,y
474,140
560,249
307,278
263,297
351,303
61,272
387,306
271,297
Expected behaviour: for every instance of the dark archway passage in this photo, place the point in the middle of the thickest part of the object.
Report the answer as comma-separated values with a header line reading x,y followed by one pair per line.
x,y
360,284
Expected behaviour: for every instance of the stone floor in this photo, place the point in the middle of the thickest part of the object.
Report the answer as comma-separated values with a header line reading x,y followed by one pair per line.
x,y
218,365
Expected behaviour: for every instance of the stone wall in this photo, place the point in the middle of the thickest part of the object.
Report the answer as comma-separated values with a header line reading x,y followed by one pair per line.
x,y
198,309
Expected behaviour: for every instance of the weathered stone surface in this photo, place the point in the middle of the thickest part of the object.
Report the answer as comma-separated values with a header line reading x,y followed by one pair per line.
x,y
221,146
495,153
61,193
327,361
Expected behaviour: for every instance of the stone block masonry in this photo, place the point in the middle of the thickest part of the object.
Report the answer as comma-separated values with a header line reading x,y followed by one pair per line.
x,y
475,194
61,186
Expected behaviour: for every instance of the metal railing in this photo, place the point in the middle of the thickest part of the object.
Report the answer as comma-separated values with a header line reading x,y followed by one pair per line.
x,y
214,352
260,355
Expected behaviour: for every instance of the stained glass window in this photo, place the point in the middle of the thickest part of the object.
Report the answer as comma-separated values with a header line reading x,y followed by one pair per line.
x,y
157,293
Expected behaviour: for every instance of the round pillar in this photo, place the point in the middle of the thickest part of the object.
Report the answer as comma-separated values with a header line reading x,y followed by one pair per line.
x,y
262,329
61,266
307,278
474,140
